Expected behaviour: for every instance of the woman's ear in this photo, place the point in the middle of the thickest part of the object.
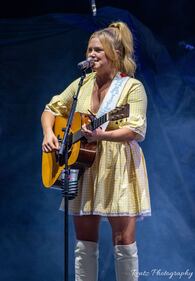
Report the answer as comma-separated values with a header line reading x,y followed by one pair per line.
x,y
118,54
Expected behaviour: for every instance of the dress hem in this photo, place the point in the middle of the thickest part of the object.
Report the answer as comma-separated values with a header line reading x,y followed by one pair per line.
x,y
139,216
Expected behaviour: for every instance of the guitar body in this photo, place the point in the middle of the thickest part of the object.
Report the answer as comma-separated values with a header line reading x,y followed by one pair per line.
x,y
81,154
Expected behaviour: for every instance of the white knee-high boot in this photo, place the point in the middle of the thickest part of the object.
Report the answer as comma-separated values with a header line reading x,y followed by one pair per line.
x,y
86,261
126,262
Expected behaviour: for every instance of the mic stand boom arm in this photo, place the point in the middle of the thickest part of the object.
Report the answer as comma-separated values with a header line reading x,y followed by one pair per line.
x,y
63,159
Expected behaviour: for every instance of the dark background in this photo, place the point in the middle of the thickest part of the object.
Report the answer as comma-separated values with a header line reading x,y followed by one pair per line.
x,y
172,19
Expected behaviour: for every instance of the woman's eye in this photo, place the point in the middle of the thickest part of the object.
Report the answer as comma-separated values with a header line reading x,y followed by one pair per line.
x,y
97,50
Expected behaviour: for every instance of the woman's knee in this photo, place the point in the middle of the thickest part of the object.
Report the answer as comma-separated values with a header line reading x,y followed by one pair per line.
x,y
120,238
123,230
87,228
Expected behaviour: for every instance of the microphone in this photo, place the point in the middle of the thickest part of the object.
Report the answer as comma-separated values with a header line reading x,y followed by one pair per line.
x,y
84,65
73,178
71,190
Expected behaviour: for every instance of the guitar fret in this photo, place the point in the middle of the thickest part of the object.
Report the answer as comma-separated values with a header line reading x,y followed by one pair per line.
x,y
103,119
98,122
94,125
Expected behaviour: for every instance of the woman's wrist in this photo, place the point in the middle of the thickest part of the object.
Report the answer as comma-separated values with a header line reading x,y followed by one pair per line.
x,y
47,131
119,135
106,136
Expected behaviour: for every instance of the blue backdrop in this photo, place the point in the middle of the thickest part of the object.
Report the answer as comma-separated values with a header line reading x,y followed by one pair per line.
x,y
38,59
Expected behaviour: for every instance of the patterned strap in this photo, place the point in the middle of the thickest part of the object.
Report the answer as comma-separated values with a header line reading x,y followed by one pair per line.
x,y
111,99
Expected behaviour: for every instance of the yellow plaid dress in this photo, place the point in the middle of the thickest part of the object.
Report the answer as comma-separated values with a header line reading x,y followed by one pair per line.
x,y
117,183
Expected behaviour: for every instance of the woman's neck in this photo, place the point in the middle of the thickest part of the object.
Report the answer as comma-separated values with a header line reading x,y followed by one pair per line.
x,y
105,78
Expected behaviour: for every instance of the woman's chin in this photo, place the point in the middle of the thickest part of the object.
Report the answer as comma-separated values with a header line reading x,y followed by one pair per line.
x,y
94,68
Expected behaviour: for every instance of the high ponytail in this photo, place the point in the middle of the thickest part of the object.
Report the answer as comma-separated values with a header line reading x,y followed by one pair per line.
x,y
125,36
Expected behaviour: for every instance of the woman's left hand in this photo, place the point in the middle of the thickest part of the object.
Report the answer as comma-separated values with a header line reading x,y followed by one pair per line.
x,y
92,136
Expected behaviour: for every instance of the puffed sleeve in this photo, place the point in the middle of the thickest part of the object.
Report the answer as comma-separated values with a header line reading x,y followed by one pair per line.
x,y
137,100
60,104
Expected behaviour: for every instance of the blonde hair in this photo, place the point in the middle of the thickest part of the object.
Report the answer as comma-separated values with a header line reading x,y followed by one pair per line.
x,y
117,41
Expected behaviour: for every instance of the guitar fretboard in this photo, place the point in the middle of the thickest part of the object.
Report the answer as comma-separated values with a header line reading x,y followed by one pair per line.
x,y
95,123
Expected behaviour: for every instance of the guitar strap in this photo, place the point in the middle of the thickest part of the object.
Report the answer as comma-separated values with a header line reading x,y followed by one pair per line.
x,y
111,99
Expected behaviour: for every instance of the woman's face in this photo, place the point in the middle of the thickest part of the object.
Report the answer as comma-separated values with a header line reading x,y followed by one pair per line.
x,y
95,50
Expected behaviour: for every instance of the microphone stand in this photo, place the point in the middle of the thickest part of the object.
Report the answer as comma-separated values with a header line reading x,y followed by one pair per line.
x,y
63,159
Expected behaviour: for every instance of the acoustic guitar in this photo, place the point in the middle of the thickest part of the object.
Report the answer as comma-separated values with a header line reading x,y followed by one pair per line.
x,y
81,153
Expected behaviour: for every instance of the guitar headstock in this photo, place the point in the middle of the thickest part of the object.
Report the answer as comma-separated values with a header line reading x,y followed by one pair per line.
x,y
119,113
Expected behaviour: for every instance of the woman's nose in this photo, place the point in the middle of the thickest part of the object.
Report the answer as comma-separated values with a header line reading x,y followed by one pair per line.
x,y
92,53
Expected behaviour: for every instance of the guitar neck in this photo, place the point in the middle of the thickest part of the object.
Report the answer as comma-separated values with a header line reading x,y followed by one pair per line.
x,y
97,122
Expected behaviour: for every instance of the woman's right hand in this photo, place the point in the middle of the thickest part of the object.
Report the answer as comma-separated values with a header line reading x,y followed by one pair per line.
x,y
50,142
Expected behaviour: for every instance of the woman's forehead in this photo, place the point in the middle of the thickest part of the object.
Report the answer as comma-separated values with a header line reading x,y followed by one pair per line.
x,y
94,41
